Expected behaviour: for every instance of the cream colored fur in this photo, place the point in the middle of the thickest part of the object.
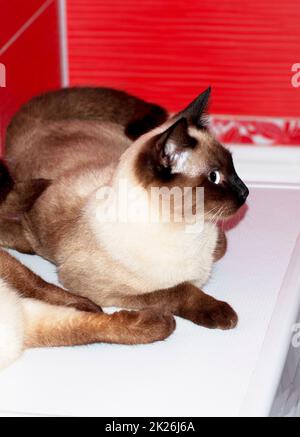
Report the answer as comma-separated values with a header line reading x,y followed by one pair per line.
x,y
162,254
11,325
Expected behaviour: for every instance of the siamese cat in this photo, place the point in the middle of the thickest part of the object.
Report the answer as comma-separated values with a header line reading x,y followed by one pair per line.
x,y
83,140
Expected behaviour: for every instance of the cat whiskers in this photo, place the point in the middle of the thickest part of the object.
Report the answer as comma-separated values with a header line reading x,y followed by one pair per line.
x,y
211,211
215,213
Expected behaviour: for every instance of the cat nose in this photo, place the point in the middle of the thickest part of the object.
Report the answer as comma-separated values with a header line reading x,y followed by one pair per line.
x,y
240,188
243,194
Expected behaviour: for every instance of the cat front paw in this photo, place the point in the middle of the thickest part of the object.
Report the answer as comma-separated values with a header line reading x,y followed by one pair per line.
x,y
216,315
146,326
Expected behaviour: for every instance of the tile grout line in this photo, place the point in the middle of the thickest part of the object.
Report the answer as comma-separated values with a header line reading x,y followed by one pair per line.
x,y
25,26
63,39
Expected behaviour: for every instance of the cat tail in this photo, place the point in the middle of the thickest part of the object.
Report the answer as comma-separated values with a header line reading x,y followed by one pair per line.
x,y
11,325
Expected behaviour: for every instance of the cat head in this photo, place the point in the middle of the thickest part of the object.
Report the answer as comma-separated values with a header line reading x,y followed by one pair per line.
x,y
184,153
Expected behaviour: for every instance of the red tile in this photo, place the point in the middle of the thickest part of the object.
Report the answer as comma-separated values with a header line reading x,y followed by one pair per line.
x,y
169,50
14,13
32,65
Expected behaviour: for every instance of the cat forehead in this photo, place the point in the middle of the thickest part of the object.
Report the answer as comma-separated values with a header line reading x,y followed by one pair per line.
x,y
203,137
207,154
209,151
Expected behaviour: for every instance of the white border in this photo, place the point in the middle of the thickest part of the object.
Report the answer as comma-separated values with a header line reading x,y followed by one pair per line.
x,y
274,164
266,377
64,55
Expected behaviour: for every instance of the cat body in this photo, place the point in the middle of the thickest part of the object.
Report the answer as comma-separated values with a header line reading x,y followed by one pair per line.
x,y
79,156
83,140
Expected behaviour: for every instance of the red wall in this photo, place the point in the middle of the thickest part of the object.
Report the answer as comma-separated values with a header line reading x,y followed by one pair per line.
x,y
165,51
29,49
168,50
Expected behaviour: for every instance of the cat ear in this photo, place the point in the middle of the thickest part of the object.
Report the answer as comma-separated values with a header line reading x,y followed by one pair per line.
x,y
196,112
174,146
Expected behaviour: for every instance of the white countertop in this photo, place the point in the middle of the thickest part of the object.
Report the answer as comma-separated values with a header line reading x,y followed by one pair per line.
x,y
196,372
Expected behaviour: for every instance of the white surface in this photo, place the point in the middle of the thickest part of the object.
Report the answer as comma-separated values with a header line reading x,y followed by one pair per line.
x,y
277,341
287,399
196,372
267,164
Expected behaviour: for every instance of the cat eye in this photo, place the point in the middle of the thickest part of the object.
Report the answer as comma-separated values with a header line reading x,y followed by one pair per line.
x,y
214,177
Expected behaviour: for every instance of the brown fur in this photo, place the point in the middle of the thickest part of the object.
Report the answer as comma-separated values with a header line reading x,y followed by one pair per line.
x,y
16,201
57,326
79,140
54,317
187,301
32,286
221,246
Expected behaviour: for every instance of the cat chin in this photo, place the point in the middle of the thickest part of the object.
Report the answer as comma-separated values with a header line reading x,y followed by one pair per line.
x,y
228,216
233,216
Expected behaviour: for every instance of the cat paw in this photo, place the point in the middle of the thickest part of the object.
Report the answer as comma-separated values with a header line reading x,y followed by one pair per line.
x,y
146,326
217,315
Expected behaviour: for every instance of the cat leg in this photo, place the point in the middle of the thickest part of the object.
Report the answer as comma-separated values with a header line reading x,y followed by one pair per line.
x,y
187,301
12,236
28,284
221,246
16,199
47,325
11,230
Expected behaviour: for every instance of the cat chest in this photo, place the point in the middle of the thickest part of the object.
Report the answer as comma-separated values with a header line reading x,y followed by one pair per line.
x,y
163,259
